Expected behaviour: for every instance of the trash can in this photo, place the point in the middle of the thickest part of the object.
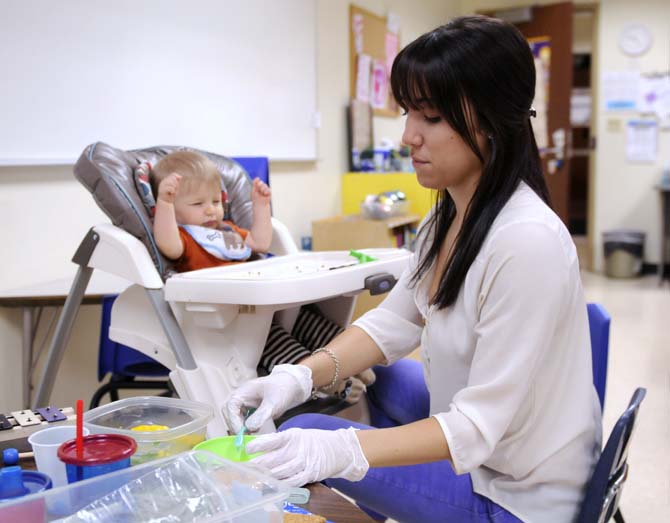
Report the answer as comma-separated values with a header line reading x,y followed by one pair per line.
x,y
624,252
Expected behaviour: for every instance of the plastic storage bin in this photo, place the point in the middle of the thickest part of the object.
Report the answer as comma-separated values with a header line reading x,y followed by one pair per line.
x,y
624,252
192,487
144,418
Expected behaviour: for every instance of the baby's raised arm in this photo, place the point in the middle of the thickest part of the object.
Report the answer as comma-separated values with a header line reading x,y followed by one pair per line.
x,y
166,230
260,236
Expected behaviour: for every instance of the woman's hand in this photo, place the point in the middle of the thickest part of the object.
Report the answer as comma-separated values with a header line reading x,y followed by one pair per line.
x,y
286,386
168,188
302,456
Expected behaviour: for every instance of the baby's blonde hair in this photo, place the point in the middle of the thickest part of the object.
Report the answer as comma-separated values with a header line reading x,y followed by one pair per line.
x,y
193,167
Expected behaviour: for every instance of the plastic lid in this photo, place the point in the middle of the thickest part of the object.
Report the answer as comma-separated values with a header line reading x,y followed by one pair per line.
x,y
15,482
99,449
123,416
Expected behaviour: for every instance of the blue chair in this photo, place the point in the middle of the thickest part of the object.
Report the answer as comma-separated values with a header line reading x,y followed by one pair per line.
x,y
125,364
256,166
599,327
604,489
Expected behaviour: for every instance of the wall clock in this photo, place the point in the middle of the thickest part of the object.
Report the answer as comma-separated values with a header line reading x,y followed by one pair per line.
x,y
635,39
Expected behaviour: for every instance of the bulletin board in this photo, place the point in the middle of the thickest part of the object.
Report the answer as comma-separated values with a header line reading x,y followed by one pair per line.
x,y
371,40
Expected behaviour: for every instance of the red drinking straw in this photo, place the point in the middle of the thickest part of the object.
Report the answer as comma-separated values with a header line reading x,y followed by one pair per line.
x,y
80,428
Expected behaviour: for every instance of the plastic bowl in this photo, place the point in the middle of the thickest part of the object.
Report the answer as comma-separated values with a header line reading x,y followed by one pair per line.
x,y
224,446
381,211
139,417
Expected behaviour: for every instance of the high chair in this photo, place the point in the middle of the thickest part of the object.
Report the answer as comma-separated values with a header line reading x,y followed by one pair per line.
x,y
209,326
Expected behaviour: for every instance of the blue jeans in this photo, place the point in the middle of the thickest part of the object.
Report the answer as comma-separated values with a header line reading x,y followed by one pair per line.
x,y
428,493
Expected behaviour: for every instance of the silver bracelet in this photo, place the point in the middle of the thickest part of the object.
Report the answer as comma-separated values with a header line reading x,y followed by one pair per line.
x,y
335,359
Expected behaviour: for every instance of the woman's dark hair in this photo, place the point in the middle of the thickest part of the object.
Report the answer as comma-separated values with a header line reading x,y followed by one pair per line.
x,y
479,74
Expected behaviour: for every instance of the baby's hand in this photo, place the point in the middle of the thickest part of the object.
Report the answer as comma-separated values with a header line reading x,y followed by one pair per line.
x,y
168,188
260,193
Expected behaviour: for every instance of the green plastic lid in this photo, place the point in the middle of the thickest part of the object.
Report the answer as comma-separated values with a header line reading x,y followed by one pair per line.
x,y
224,446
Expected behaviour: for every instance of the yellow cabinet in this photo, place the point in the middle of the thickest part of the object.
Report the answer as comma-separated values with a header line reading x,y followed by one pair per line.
x,y
356,186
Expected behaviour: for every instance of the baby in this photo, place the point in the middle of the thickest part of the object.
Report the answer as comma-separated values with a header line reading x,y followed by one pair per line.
x,y
189,228
189,225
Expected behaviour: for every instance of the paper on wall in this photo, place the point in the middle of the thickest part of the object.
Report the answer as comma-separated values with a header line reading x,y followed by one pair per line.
x,y
357,28
580,107
641,141
620,90
654,94
392,45
393,23
363,77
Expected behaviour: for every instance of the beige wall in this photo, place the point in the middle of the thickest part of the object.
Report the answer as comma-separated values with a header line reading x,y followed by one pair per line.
x,y
46,213
624,194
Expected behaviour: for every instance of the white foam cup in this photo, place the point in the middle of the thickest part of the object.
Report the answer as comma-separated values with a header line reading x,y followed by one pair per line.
x,y
45,445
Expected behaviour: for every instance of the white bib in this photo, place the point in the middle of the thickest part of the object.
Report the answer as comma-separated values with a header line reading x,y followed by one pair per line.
x,y
225,243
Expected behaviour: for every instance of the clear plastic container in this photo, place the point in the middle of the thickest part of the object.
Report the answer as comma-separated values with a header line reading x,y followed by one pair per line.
x,y
195,486
161,427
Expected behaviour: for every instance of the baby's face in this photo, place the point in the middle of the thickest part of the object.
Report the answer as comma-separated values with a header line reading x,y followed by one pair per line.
x,y
199,205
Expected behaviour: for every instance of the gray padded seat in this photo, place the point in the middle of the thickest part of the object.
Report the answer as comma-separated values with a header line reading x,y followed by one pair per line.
x,y
109,174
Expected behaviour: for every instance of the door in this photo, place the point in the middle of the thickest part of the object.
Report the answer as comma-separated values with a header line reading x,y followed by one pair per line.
x,y
554,23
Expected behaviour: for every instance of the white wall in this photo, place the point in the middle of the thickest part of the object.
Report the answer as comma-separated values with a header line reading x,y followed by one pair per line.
x,y
45,212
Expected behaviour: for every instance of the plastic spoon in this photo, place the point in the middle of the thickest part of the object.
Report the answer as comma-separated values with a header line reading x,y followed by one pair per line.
x,y
239,437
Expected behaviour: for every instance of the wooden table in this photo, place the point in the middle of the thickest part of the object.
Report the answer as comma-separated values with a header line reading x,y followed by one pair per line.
x,y
333,507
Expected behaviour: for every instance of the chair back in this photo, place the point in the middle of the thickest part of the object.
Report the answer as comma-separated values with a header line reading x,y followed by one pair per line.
x,y
118,359
256,167
604,489
599,327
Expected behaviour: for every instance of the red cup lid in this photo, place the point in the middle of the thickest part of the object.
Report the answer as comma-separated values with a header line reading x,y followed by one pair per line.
x,y
99,449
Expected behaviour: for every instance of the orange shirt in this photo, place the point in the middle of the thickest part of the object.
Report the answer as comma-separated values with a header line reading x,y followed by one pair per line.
x,y
195,257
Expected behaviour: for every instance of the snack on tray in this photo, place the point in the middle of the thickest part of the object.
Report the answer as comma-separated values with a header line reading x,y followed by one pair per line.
x,y
303,518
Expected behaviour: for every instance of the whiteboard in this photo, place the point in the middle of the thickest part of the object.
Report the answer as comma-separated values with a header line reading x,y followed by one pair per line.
x,y
235,77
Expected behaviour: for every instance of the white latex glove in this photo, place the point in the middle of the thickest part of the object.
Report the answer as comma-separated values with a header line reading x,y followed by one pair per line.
x,y
302,456
285,387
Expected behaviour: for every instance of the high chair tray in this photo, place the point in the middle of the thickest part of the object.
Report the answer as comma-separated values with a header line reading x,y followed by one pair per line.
x,y
294,278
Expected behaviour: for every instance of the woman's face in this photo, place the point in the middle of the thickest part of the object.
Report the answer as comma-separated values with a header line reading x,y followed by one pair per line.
x,y
441,158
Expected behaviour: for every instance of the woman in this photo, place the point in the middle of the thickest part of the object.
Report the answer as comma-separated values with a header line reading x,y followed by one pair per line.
x,y
510,429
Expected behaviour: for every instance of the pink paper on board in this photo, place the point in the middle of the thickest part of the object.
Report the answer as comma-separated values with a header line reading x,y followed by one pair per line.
x,y
379,82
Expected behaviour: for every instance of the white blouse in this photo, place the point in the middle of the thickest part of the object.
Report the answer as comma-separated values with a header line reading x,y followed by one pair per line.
x,y
508,365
